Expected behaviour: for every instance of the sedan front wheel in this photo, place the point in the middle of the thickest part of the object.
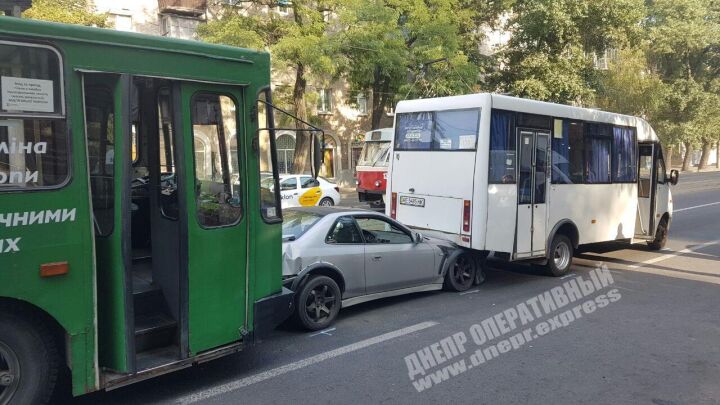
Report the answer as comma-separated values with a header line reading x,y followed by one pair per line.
x,y
461,273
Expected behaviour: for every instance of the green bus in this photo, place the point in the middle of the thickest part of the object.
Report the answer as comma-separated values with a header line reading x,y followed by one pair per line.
x,y
135,236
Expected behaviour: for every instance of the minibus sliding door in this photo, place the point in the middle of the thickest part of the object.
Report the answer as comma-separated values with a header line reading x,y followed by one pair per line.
x,y
530,236
645,226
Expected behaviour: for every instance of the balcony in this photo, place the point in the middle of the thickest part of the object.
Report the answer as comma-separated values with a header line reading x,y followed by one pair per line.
x,y
184,7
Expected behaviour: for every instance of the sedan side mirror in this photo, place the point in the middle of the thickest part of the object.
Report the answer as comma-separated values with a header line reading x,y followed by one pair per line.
x,y
674,177
418,237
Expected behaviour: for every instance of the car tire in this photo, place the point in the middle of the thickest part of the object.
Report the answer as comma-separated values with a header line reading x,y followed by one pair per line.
x,y
661,235
480,275
314,310
30,362
461,273
561,255
326,202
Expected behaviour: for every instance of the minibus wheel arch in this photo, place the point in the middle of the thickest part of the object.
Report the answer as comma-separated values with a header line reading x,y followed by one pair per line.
x,y
565,227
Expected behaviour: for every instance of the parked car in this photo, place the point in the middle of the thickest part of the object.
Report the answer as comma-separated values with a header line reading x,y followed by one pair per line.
x,y
301,190
336,257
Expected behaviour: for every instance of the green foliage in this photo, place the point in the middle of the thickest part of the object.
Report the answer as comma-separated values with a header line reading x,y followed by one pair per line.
x,y
685,46
80,12
411,49
550,55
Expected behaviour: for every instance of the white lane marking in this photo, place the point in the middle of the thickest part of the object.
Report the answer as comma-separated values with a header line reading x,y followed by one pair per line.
x,y
697,206
470,292
671,255
254,379
324,332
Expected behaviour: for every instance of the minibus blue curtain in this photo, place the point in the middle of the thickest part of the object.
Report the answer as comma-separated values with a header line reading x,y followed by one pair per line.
x,y
561,155
624,155
598,160
502,149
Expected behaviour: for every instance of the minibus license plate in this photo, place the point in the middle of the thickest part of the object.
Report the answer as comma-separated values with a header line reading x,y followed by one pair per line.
x,y
413,201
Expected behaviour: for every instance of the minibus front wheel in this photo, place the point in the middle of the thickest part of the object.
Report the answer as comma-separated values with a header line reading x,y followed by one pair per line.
x,y
561,255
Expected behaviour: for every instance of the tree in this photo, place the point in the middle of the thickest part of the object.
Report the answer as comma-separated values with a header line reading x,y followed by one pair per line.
x,y
80,12
299,43
685,37
550,55
411,48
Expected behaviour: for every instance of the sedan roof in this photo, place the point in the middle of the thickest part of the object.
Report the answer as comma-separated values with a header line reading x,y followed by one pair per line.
x,y
323,211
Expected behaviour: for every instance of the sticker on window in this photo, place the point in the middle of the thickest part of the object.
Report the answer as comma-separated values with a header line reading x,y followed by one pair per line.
x,y
28,95
445,144
467,141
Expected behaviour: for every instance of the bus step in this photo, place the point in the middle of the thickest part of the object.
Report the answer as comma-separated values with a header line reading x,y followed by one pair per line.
x,y
148,298
154,330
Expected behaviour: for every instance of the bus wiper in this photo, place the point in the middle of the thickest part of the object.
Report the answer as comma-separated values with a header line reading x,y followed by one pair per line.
x,y
289,238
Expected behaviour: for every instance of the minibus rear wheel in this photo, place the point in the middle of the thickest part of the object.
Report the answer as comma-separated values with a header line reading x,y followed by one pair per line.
x,y
561,255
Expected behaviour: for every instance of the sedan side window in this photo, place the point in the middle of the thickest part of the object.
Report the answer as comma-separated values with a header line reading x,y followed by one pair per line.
x,y
344,231
308,182
376,230
289,184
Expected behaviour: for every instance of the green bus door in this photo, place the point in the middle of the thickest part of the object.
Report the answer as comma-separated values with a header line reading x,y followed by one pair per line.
x,y
217,227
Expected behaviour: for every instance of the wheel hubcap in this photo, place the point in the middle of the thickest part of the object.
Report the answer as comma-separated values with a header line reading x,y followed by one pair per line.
x,y
9,373
561,257
320,303
462,271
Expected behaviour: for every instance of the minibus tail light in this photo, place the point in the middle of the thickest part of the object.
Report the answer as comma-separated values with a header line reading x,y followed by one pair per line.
x,y
466,216
393,206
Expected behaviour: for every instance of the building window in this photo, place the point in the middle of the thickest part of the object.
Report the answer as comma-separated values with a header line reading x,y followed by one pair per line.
x,y
123,22
324,101
361,103
178,27
286,153
284,6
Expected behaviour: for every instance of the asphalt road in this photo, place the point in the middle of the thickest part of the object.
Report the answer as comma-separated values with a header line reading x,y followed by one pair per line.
x,y
658,343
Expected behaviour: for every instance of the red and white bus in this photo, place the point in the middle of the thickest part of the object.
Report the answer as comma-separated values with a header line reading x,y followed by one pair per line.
x,y
373,165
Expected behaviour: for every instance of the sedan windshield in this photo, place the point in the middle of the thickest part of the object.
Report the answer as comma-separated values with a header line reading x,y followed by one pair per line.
x,y
296,223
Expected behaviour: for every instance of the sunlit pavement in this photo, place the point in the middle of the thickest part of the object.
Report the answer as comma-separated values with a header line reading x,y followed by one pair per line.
x,y
658,344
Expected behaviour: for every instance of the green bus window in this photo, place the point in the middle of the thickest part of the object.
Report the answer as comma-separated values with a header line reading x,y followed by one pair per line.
x,y
168,176
33,132
217,176
99,129
269,198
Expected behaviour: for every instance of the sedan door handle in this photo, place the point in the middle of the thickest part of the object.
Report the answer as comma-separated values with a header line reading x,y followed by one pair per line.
x,y
377,258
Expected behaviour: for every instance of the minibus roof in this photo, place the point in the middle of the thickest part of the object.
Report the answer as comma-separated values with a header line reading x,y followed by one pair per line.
x,y
502,102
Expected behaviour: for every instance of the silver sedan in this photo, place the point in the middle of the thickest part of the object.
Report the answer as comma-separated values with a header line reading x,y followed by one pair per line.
x,y
335,257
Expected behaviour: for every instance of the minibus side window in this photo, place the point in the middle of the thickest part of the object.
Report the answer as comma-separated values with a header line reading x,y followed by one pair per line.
x,y
568,156
598,151
33,131
624,155
502,148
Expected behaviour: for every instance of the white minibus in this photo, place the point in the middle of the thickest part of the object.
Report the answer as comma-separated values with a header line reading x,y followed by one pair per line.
x,y
527,180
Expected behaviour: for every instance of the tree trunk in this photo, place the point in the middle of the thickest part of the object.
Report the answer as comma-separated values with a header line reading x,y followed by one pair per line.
x,y
301,162
705,155
378,98
668,158
717,155
687,161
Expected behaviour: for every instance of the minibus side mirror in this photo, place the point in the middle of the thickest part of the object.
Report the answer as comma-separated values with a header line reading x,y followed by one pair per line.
x,y
674,177
418,237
